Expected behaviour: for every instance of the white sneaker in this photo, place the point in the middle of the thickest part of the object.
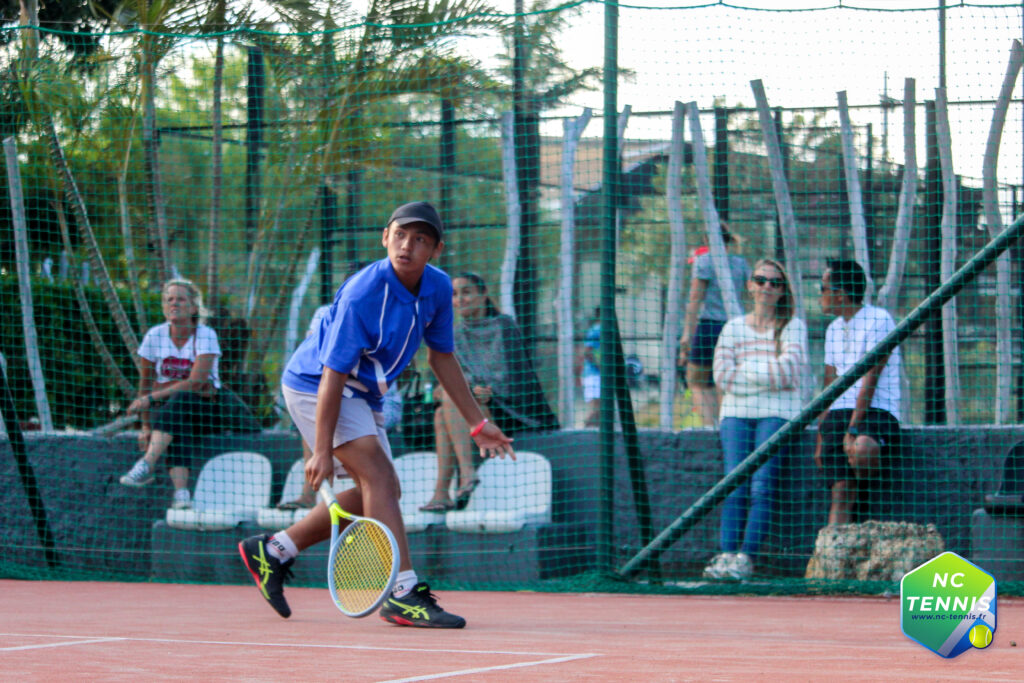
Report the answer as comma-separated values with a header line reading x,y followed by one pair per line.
x,y
741,568
140,474
182,500
718,566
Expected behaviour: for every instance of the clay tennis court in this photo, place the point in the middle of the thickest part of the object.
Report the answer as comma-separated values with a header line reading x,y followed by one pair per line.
x,y
121,632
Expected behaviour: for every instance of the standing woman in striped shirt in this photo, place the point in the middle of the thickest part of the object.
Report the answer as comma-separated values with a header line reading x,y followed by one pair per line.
x,y
758,363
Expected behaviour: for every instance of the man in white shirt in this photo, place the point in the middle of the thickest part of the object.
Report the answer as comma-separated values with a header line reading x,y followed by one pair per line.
x,y
859,435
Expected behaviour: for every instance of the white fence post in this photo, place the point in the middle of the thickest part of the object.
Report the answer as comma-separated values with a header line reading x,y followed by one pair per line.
x,y
514,214
572,131
889,293
854,195
947,257
1004,348
28,325
783,200
716,245
676,270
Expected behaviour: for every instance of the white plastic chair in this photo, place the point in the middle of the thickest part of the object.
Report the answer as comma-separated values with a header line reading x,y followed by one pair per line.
x,y
510,495
417,473
274,517
230,489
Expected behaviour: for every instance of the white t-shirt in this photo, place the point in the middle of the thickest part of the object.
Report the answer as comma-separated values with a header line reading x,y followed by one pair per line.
x,y
756,380
847,341
172,363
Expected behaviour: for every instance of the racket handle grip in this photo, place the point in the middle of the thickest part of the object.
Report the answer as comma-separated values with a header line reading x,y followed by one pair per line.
x,y
327,493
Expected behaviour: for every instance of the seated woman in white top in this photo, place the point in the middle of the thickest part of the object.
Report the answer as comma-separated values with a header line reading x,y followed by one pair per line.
x,y
180,394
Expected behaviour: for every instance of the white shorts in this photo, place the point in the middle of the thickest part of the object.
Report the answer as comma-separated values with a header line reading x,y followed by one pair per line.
x,y
355,419
591,387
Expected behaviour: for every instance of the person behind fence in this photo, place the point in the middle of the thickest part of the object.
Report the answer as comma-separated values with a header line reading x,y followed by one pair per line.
x,y
704,318
590,369
181,398
859,435
392,410
490,350
334,385
758,363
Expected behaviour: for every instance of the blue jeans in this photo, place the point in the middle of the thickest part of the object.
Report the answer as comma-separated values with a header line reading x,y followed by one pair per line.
x,y
747,512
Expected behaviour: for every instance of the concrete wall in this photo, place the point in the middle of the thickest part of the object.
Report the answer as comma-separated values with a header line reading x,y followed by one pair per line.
x,y
101,525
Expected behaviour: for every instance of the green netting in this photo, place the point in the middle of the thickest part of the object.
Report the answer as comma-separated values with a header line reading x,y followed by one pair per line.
x,y
259,150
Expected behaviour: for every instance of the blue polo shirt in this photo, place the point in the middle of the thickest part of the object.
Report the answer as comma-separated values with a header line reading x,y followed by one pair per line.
x,y
372,331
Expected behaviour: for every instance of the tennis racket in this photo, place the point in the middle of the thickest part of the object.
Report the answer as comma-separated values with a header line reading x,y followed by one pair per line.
x,y
362,564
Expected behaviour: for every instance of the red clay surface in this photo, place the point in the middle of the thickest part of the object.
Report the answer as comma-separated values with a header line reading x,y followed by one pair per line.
x,y
142,632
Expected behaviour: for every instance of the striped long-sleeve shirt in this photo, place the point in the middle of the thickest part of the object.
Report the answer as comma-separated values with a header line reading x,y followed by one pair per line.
x,y
758,380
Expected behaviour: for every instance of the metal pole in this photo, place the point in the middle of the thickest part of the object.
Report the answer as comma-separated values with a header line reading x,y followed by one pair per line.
x,y
926,310
446,162
935,369
354,218
527,154
26,472
447,154
720,178
780,248
869,199
885,118
253,142
328,224
608,239
1017,259
942,43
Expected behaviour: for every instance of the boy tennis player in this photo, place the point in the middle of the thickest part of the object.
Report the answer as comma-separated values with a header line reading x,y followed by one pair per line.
x,y
333,386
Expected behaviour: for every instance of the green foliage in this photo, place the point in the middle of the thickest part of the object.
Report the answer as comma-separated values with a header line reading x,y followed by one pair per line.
x,y
74,23
81,394
547,78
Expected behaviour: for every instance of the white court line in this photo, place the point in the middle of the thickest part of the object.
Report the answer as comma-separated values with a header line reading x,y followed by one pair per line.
x,y
72,642
301,645
483,669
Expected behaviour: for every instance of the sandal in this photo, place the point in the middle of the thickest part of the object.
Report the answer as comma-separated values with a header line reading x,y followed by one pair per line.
x,y
438,506
463,493
297,504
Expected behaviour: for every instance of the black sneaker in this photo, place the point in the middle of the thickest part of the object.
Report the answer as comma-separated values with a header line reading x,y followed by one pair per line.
x,y
419,608
267,571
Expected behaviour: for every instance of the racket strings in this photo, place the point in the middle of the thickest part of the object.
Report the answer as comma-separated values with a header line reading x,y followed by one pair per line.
x,y
361,566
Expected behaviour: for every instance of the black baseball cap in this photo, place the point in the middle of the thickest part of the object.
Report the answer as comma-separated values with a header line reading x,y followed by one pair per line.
x,y
418,212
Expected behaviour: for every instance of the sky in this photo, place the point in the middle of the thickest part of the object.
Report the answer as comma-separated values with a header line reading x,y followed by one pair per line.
x,y
804,58
805,52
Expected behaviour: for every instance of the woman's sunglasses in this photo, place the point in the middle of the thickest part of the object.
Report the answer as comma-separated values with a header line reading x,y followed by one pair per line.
x,y
775,282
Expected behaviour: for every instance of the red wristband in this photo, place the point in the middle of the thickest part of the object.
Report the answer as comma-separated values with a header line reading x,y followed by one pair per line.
x,y
479,428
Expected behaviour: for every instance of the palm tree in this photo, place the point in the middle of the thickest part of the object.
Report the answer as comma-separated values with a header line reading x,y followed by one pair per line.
x,y
403,48
42,88
534,75
155,21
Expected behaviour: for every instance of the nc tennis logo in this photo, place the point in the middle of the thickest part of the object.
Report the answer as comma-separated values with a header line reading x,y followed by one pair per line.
x,y
948,605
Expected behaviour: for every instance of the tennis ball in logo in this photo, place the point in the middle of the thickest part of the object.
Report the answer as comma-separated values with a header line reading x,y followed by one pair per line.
x,y
948,605
980,636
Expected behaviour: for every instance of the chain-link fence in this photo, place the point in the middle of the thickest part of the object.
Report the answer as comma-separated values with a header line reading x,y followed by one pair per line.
x,y
258,154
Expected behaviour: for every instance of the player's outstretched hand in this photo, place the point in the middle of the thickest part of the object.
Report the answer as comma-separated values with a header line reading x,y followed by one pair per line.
x,y
493,442
319,467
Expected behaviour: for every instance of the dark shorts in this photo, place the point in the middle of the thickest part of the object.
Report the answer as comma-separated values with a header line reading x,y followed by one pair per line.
x,y
880,425
188,417
702,346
